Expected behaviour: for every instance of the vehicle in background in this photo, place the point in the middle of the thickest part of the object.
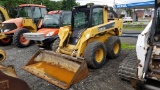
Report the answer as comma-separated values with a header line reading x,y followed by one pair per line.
x,y
28,20
51,24
127,19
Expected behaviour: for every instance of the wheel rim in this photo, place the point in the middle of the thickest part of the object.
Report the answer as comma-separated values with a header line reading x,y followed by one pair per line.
x,y
116,48
23,40
99,55
6,40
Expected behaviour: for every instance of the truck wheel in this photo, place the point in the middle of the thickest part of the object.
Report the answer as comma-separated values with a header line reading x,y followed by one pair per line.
x,y
113,45
6,41
19,40
95,54
54,46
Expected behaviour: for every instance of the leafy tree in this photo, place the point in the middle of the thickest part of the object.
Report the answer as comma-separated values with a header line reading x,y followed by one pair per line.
x,y
10,5
69,4
90,4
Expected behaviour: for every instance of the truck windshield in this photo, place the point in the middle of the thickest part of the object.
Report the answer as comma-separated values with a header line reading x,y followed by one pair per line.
x,y
51,20
25,12
80,19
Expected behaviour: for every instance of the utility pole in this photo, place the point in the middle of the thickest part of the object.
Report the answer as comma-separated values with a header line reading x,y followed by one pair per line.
x,y
114,3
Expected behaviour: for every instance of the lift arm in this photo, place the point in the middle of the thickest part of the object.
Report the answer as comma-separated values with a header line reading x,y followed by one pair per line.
x,y
4,13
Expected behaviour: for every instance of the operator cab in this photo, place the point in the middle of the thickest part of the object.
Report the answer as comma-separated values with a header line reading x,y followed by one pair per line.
x,y
32,11
84,17
56,19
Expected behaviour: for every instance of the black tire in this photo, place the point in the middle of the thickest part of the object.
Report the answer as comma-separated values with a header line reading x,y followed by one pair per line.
x,y
16,38
2,43
43,46
54,46
139,86
90,54
112,43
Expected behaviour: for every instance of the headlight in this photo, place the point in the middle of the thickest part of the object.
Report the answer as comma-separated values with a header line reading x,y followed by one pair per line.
x,y
6,30
50,34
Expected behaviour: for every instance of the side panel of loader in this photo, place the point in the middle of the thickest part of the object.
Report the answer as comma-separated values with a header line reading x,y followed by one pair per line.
x,y
101,33
30,25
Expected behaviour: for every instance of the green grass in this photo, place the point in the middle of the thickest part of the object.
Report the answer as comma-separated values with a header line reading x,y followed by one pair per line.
x,y
128,46
133,28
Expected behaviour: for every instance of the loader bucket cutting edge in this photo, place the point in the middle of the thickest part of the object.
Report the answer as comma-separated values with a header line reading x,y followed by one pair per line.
x,y
61,70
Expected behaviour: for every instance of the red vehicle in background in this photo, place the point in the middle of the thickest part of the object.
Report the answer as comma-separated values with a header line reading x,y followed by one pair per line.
x,y
51,23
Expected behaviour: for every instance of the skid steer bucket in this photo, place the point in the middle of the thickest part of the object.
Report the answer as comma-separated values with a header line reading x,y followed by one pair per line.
x,y
8,77
10,81
61,70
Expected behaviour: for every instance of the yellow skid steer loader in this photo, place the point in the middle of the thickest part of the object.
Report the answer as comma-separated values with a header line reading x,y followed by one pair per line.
x,y
91,38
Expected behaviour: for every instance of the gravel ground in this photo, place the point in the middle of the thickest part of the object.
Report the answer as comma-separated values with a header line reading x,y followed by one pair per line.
x,y
104,78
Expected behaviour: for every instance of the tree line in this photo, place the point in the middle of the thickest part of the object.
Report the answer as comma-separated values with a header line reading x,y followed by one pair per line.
x,y
10,5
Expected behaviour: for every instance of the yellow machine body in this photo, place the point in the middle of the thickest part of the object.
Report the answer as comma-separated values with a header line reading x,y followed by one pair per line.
x,y
29,24
91,34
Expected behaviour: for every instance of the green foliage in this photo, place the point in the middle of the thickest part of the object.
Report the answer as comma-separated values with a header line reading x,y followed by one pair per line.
x,y
128,46
128,22
134,28
69,4
141,23
52,5
10,5
90,4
